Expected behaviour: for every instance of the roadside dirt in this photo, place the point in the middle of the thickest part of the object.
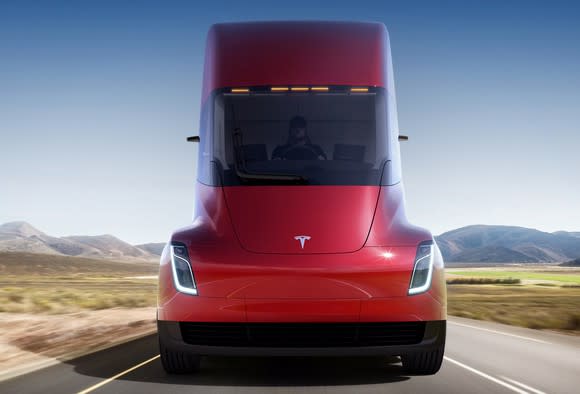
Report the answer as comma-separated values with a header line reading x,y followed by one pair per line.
x,y
32,341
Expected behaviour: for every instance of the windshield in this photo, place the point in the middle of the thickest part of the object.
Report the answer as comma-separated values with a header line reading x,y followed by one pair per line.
x,y
318,138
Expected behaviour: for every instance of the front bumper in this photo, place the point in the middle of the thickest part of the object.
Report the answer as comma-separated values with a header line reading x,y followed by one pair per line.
x,y
171,334
420,307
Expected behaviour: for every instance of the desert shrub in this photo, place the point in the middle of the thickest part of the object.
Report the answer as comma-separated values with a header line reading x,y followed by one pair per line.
x,y
15,298
573,322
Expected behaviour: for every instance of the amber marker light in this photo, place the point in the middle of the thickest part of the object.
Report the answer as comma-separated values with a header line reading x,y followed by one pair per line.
x,y
240,90
320,88
279,89
299,89
359,90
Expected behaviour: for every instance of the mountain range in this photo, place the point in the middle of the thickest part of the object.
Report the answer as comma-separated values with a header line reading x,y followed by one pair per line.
x,y
503,244
22,237
477,243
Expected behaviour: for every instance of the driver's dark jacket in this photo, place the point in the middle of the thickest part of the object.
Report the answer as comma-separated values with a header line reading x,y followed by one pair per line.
x,y
293,151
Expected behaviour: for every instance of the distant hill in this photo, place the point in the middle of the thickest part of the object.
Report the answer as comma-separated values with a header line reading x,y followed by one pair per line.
x,y
110,246
572,233
482,243
22,263
155,248
23,237
571,263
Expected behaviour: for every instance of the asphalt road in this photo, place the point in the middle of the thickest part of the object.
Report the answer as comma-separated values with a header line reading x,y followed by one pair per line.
x,y
480,357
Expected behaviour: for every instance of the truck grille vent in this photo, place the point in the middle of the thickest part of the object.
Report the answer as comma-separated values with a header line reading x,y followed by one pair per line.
x,y
297,335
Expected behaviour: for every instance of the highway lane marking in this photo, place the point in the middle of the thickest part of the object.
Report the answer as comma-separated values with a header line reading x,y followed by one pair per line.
x,y
524,386
104,382
488,377
500,332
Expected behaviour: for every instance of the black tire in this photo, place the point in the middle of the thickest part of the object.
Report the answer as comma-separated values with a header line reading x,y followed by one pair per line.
x,y
423,363
177,362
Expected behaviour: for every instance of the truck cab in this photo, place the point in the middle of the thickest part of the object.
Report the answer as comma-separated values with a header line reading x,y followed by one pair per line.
x,y
300,244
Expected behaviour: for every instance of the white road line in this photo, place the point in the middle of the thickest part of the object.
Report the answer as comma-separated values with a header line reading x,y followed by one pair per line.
x,y
500,332
488,377
524,386
104,382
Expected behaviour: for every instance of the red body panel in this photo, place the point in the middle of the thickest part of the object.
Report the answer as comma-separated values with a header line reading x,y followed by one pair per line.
x,y
266,219
422,307
242,285
295,53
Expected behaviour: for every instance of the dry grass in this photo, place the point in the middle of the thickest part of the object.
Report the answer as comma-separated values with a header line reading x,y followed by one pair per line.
x,y
540,307
61,307
544,297
483,281
571,276
32,283
33,297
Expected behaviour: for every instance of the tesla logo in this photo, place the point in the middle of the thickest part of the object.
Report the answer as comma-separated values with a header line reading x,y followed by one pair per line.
x,y
302,239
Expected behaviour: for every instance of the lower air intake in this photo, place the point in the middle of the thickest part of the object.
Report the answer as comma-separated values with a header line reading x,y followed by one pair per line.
x,y
298,335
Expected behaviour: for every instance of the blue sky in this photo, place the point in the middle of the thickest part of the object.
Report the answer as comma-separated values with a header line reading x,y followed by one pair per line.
x,y
97,97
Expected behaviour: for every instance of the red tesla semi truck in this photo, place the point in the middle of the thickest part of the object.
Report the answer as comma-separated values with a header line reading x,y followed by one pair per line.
x,y
300,244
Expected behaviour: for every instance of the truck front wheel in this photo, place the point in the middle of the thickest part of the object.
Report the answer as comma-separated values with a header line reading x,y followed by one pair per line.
x,y
423,363
178,362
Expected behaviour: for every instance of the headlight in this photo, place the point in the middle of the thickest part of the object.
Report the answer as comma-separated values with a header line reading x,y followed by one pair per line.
x,y
181,267
423,268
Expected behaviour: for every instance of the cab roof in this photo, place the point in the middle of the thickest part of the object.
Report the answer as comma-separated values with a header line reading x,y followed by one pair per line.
x,y
296,53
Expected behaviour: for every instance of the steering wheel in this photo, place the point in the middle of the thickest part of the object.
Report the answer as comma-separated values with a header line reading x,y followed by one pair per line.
x,y
300,152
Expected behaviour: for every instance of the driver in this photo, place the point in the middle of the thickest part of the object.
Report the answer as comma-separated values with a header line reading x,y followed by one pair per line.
x,y
298,145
